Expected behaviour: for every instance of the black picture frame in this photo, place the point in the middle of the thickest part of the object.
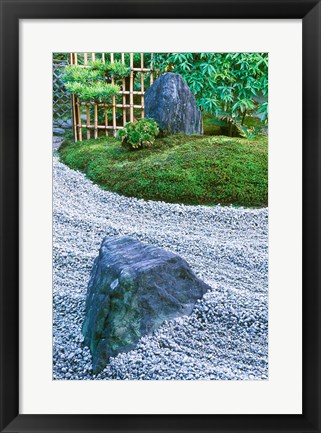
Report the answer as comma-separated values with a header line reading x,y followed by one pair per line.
x,y
11,12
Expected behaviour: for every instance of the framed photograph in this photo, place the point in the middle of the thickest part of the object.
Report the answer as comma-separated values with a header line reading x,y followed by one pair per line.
x,y
160,216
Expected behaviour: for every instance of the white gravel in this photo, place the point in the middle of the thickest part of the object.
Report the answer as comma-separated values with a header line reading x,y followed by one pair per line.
x,y
226,337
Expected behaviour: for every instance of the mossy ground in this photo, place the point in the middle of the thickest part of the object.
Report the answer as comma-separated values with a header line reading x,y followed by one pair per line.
x,y
188,169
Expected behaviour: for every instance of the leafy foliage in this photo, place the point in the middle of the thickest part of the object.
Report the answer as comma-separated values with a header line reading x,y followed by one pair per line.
x,y
226,170
116,68
138,134
91,83
60,56
98,91
79,74
228,85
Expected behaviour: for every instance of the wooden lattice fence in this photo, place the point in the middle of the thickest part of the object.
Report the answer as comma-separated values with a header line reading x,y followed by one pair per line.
x,y
61,98
92,119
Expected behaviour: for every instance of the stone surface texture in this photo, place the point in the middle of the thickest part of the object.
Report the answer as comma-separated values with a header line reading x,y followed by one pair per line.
x,y
171,103
134,288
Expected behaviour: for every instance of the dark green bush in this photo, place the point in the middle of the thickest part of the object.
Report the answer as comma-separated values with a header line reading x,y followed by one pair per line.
x,y
139,134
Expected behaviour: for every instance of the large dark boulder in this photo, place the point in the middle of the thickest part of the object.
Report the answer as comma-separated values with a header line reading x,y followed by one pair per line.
x,y
171,103
133,288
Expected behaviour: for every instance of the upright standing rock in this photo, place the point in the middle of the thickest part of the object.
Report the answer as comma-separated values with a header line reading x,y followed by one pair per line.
x,y
171,103
134,287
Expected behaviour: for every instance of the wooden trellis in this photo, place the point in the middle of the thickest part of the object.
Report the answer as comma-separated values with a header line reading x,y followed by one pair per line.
x,y
92,119
60,96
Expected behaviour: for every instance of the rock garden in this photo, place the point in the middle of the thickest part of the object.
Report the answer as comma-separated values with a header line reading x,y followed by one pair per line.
x,y
160,226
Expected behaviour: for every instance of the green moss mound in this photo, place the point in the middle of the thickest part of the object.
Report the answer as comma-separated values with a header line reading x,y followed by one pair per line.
x,y
188,169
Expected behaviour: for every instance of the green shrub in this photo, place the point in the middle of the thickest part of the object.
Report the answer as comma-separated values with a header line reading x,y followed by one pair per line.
x,y
90,83
79,74
116,68
138,134
99,92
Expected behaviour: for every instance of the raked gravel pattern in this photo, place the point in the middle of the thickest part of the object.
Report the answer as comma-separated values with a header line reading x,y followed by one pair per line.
x,y
225,338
